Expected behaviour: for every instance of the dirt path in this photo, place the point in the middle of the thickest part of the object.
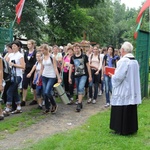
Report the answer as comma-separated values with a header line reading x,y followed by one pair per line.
x,y
66,118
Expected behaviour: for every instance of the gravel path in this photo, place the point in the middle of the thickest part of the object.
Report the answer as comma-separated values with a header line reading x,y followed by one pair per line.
x,y
66,118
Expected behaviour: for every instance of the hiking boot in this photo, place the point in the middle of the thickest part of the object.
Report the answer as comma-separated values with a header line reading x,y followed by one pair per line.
x,y
34,102
23,103
79,107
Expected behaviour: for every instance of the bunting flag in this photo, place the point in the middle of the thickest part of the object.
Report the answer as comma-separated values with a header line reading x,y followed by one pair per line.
x,y
144,7
19,8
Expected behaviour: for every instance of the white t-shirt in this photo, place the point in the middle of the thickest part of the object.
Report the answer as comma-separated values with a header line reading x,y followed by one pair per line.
x,y
58,56
16,57
48,70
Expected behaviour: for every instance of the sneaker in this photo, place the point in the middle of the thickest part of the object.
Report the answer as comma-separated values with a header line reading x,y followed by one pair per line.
x,y
100,93
34,102
94,101
107,105
23,103
71,99
89,101
54,109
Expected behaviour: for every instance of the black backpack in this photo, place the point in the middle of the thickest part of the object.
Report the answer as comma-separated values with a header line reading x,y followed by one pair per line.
x,y
6,70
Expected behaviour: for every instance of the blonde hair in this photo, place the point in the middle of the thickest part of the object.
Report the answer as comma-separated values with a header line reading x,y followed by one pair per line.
x,y
32,42
45,47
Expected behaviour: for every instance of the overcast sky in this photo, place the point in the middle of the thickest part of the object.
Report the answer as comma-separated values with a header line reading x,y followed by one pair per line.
x,y
129,3
133,3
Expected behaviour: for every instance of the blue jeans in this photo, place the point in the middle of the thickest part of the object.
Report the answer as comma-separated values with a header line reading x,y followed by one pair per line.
x,y
47,91
39,91
80,83
108,87
12,92
95,82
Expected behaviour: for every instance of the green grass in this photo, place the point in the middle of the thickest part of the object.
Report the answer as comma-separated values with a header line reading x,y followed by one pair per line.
x,y
94,135
26,119
15,123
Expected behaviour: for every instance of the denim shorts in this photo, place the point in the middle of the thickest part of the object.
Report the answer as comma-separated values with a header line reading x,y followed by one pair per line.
x,y
80,84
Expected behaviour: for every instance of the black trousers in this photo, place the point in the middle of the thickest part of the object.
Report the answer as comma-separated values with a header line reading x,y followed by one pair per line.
x,y
124,119
68,87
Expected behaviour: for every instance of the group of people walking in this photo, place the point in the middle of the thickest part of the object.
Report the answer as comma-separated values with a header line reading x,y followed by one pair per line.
x,y
76,66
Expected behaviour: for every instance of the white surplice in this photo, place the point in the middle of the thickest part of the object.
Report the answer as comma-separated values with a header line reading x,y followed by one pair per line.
x,y
126,82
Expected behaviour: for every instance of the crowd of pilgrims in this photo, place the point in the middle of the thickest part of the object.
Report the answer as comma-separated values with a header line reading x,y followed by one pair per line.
x,y
77,66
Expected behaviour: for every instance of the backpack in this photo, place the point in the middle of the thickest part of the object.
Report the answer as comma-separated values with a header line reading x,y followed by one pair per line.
x,y
51,59
6,70
92,57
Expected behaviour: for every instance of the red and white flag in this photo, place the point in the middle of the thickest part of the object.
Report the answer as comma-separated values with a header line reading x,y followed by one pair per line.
x,y
144,7
19,8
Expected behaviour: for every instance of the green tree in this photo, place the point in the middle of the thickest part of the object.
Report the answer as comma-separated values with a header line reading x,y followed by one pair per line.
x,y
67,20
100,28
31,24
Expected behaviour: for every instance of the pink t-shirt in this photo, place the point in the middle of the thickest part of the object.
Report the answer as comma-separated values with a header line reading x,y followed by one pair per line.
x,y
66,63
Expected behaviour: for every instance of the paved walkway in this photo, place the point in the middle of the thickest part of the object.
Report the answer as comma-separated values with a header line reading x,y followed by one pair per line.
x,y
66,118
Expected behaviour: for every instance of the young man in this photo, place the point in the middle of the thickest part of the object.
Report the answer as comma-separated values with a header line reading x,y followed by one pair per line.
x,y
82,70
